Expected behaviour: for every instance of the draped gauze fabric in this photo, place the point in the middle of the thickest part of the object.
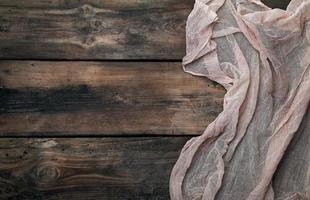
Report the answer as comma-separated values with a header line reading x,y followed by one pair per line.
x,y
258,148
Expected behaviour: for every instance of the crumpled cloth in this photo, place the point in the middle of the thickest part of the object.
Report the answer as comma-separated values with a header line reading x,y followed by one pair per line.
x,y
258,148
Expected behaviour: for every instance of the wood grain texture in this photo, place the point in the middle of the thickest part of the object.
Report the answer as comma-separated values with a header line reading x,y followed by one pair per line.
x,y
282,4
89,30
109,168
104,98
95,30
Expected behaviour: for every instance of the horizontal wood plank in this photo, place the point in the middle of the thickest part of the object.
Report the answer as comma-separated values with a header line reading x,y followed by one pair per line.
x,y
105,168
282,4
95,30
99,29
104,98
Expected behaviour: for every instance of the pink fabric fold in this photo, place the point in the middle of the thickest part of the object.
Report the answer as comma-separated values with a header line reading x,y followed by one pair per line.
x,y
261,56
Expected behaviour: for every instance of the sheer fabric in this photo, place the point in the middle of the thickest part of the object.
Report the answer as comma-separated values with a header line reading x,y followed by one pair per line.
x,y
258,147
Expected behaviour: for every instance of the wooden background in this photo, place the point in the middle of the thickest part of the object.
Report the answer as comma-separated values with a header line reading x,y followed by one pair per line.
x,y
93,100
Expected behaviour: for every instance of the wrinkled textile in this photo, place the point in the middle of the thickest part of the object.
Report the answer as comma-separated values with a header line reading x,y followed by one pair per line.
x,y
258,148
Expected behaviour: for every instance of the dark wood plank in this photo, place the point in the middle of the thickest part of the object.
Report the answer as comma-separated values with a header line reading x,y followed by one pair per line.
x,y
282,4
109,168
104,98
99,29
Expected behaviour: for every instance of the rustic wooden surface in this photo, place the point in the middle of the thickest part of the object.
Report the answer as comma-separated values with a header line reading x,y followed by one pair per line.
x,y
282,4
104,98
105,168
89,30
83,29
56,116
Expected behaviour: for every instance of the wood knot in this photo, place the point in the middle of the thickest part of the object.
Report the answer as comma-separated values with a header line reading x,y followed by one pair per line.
x,y
87,11
4,25
89,41
90,26
46,174
7,189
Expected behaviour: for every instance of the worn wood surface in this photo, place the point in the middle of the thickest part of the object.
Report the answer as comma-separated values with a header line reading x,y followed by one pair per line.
x,y
104,98
105,168
282,4
84,29
95,30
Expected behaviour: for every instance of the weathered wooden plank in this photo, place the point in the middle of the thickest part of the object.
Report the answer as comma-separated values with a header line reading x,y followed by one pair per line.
x,y
99,29
84,29
109,168
282,4
104,98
